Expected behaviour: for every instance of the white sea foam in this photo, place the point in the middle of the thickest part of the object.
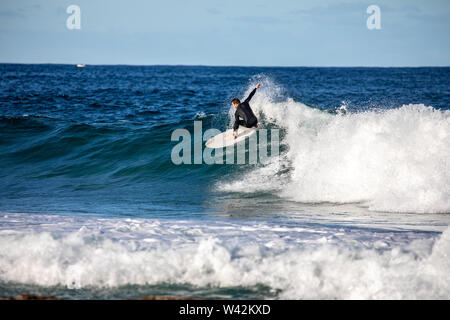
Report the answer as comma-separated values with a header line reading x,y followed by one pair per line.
x,y
297,262
200,115
391,160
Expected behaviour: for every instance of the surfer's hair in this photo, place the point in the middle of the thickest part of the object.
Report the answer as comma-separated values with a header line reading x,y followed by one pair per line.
x,y
235,101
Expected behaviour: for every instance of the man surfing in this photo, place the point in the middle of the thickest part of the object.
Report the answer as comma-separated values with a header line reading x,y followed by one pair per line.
x,y
244,115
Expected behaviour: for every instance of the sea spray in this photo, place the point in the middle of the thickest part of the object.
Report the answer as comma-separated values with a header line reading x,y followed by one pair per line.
x,y
391,160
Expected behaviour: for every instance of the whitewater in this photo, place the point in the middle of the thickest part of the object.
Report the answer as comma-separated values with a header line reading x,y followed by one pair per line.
x,y
290,261
388,161
356,205
395,160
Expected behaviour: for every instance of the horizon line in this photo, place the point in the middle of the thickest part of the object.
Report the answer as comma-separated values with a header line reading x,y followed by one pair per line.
x,y
221,66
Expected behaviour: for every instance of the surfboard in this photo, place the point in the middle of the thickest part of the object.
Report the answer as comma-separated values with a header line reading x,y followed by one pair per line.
x,y
226,138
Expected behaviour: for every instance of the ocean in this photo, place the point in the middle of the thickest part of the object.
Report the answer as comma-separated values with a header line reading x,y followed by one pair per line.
x,y
355,206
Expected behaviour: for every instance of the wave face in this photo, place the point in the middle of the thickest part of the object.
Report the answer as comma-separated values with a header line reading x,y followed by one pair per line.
x,y
394,160
97,139
270,260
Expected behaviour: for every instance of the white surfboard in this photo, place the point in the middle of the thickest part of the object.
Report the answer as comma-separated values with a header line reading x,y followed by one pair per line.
x,y
226,138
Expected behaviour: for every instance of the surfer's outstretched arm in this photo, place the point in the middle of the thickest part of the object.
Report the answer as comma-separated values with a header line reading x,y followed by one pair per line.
x,y
250,96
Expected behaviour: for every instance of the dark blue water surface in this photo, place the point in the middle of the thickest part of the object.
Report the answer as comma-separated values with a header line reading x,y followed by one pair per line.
x,y
96,140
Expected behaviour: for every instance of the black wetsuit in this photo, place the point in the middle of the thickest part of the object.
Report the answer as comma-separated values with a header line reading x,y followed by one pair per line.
x,y
244,115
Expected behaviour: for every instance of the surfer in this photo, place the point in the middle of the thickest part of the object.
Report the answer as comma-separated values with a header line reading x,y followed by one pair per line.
x,y
244,115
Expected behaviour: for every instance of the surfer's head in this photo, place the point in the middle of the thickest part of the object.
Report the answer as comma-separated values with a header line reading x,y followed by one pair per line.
x,y
235,102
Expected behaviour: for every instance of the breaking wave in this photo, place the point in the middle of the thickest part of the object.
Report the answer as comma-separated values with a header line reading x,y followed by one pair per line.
x,y
395,160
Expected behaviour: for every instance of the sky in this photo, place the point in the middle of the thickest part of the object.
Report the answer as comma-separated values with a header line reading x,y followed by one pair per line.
x,y
227,32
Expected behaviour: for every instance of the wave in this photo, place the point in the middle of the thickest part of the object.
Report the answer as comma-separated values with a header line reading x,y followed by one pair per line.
x,y
55,147
295,262
394,160
389,160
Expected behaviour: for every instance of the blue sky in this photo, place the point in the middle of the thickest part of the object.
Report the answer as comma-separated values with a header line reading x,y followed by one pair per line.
x,y
228,32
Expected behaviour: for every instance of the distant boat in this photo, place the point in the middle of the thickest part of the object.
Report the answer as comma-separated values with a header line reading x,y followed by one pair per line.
x,y
81,65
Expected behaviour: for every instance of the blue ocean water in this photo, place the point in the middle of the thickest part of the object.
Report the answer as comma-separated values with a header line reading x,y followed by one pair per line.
x,y
357,205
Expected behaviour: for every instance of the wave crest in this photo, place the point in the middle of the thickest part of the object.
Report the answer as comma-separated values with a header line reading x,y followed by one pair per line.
x,y
390,160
